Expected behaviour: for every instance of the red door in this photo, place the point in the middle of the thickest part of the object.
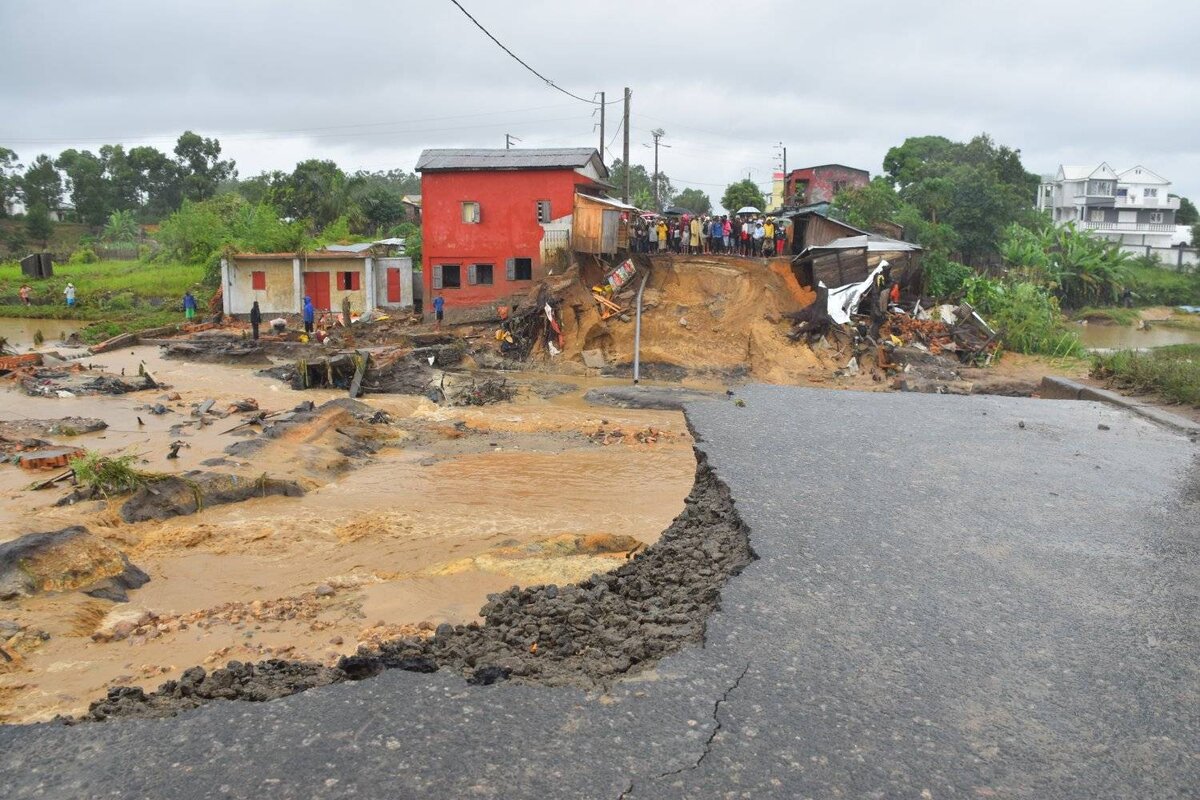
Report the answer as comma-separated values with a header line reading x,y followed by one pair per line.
x,y
393,285
316,286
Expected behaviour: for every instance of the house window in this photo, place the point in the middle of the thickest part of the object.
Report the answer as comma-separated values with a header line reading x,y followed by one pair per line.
x,y
1103,187
479,274
470,213
447,276
349,281
543,210
1149,192
1096,215
838,186
520,269
1156,216
258,280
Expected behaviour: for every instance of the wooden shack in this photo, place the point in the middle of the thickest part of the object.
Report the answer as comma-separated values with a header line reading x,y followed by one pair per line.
x,y
600,225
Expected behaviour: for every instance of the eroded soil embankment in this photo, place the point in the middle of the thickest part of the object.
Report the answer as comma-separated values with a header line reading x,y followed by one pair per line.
x,y
587,634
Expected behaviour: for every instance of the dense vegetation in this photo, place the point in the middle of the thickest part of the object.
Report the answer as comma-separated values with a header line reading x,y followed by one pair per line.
x,y
970,205
1172,372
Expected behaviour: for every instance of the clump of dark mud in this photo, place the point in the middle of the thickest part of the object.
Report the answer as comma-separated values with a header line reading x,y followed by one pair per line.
x,y
588,634
66,560
179,495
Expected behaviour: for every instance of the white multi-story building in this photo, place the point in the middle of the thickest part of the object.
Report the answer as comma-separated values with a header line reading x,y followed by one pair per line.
x,y
1131,207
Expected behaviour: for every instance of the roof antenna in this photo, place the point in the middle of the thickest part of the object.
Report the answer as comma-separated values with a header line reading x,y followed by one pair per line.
x,y
508,140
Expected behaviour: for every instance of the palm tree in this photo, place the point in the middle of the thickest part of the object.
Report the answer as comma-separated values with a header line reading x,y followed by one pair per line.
x,y
121,227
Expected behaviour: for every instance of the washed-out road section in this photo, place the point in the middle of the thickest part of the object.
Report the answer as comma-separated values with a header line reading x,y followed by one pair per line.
x,y
954,597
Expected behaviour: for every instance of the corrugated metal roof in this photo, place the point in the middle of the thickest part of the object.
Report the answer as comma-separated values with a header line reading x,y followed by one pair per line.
x,y
608,201
872,241
357,247
519,158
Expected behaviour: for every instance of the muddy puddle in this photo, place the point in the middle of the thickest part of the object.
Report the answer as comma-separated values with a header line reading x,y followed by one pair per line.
x,y
454,504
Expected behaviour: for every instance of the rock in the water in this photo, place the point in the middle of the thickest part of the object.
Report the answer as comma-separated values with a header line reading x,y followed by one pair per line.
x,y
66,560
178,495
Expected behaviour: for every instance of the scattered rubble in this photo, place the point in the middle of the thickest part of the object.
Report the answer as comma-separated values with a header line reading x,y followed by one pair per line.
x,y
66,560
218,350
609,436
76,380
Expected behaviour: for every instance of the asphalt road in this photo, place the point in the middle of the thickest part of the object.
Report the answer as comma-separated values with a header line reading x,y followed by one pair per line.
x,y
946,604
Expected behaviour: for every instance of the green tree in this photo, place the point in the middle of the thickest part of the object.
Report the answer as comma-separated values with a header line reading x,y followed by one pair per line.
x,y
866,206
120,228
693,200
38,224
1186,215
1196,235
88,186
10,180
159,183
320,192
41,185
201,169
382,206
641,184
743,193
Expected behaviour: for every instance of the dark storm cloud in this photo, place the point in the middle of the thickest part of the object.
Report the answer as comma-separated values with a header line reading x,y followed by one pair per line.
x,y
842,82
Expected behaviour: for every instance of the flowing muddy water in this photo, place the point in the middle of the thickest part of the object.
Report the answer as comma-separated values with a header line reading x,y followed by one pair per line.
x,y
20,332
1127,337
465,501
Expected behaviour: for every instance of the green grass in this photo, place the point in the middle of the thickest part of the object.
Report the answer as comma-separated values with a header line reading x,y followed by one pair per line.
x,y
1153,286
1171,372
115,296
1115,316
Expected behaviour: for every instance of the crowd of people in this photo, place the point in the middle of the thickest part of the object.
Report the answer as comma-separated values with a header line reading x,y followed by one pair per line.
x,y
753,236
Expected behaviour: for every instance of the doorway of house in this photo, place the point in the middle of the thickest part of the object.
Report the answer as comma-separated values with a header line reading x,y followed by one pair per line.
x,y
316,286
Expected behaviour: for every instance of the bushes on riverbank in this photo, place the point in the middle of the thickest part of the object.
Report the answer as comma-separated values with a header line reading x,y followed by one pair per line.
x,y
1172,372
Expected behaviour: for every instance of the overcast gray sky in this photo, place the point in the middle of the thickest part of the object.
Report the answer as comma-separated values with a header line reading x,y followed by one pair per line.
x,y
370,83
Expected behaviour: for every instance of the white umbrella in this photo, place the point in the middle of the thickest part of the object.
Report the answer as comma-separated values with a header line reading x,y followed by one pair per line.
x,y
748,210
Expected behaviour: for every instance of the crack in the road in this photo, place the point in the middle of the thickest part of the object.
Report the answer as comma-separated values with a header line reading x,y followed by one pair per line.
x,y
708,743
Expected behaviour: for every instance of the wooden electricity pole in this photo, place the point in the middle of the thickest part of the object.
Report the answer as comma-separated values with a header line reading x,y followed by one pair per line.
x,y
625,124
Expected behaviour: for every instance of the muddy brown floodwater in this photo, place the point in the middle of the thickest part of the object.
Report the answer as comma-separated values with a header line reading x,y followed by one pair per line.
x,y
458,503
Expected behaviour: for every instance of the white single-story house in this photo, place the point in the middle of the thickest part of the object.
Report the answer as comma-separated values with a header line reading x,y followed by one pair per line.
x,y
280,281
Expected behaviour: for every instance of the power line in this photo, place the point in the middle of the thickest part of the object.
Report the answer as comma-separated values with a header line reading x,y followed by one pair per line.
x,y
517,58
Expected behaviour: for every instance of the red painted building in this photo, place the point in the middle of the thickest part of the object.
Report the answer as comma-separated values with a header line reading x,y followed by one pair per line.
x,y
820,184
489,218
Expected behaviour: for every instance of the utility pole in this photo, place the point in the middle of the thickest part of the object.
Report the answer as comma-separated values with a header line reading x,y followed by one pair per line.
x,y
602,127
657,133
625,123
508,140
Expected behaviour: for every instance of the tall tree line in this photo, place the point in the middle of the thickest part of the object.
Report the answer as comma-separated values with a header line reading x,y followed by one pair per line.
x,y
144,180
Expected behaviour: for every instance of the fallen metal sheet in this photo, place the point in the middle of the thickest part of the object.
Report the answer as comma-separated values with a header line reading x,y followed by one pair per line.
x,y
844,299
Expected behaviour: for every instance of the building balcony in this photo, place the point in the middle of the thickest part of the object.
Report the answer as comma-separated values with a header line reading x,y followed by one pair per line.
x,y
1158,203
1126,227
1095,200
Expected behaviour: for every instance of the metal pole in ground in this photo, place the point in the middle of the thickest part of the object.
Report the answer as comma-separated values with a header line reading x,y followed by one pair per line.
x,y
637,333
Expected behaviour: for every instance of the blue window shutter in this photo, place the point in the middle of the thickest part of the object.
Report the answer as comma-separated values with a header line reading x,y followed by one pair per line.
x,y
510,269
471,274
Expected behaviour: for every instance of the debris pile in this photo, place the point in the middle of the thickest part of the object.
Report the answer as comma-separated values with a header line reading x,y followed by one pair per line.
x,y
76,380
179,495
482,393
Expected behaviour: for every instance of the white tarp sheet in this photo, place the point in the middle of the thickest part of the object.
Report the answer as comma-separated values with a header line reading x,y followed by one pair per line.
x,y
845,299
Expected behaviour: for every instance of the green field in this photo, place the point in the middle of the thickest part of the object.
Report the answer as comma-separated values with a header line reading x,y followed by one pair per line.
x,y
116,296
1172,372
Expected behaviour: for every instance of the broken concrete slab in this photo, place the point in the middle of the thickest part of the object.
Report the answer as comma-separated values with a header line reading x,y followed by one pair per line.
x,y
594,359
